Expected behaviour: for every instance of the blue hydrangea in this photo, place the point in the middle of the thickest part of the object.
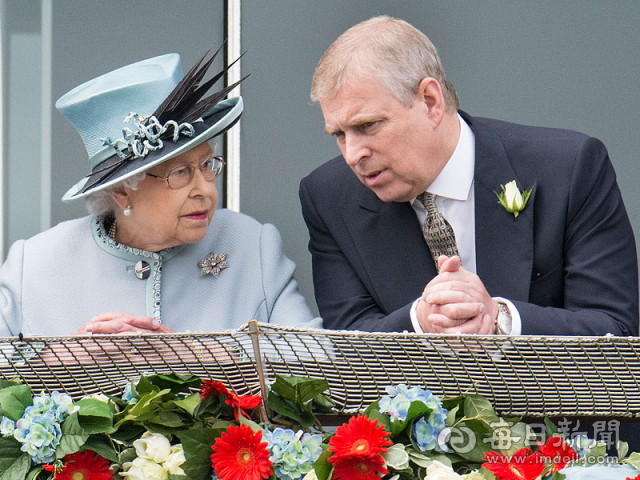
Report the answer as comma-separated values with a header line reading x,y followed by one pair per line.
x,y
425,430
39,427
292,453
127,394
7,426
397,403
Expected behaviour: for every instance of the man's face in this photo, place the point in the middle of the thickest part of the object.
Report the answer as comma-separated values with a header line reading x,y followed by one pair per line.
x,y
390,147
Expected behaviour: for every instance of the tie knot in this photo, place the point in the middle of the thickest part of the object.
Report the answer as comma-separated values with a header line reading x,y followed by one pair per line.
x,y
428,200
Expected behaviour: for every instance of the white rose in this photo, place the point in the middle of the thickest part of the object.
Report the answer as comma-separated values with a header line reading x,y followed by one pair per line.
x,y
513,197
311,475
174,460
440,471
143,469
153,446
101,397
475,475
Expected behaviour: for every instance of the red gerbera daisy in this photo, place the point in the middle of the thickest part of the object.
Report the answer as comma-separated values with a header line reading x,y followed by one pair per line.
x,y
239,455
240,403
523,465
358,468
557,453
85,465
360,437
637,477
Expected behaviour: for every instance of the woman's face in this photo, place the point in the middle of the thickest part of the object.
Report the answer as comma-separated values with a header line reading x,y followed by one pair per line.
x,y
162,217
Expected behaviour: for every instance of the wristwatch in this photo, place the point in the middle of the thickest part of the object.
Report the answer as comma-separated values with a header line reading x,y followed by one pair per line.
x,y
503,320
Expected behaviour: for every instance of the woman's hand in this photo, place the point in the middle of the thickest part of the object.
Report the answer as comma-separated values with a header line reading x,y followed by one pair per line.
x,y
121,322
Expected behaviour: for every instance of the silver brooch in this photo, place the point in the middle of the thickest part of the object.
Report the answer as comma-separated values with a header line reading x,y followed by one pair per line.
x,y
213,264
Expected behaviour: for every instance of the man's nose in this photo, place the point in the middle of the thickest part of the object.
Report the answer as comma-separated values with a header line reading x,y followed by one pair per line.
x,y
354,150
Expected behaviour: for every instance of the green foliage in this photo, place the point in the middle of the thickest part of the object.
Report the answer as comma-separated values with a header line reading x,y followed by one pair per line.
x,y
292,397
14,399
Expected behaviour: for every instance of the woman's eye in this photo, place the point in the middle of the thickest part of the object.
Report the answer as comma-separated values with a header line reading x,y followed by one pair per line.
x,y
207,164
180,172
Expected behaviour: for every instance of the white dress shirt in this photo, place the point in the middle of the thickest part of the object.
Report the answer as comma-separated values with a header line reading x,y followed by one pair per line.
x,y
453,189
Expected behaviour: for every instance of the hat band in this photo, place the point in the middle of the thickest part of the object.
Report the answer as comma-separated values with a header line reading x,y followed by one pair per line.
x,y
144,138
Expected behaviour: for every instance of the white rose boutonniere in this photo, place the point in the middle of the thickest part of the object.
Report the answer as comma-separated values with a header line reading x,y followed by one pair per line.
x,y
512,199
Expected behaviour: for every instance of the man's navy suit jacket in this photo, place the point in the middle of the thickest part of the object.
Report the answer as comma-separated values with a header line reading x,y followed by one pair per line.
x,y
567,262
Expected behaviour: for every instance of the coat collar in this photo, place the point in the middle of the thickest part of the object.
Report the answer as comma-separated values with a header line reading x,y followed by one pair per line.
x,y
504,243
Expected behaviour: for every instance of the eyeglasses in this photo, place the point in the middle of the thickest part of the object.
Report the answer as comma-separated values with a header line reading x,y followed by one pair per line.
x,y
181,176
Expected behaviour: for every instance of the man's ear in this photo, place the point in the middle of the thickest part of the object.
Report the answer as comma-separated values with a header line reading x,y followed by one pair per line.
x,y
430,95
120,196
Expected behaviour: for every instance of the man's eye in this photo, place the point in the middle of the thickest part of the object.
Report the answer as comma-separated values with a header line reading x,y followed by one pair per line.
x,y
338,135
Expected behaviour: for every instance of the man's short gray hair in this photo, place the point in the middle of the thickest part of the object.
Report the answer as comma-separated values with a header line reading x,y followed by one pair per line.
x,y
400,55
102,202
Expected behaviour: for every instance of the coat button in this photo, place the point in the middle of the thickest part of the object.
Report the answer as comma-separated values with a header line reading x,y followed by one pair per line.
x,y
142,270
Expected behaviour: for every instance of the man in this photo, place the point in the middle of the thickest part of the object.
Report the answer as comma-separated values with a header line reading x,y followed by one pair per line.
x,y
389,257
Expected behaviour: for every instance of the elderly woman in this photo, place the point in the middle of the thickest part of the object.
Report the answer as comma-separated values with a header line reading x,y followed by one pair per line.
x,y
153,257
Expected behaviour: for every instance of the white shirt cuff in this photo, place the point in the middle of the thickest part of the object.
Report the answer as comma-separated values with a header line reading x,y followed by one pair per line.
x,y
414,317
516,321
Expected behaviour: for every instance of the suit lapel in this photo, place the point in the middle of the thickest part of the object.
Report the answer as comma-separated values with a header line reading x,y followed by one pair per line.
x,y
389,242
504,243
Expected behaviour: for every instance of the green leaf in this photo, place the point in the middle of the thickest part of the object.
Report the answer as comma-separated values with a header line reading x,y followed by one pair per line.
x,y
299,390
189,404
34,472
10,453
73,436
552,429
558,476
322,467
16,468
4,383
102,445
95,416
521,435
623,449
168,419
290,410
13,401
633,460
476,406
175,383
420,459
196,444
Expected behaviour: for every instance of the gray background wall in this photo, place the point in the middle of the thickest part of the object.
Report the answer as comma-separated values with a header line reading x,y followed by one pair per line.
x,y
571,64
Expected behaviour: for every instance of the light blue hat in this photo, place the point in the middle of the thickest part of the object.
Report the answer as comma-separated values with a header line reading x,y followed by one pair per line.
x,y
143,114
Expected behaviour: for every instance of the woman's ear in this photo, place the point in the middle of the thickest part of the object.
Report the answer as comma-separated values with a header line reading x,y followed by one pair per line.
x,y
120,196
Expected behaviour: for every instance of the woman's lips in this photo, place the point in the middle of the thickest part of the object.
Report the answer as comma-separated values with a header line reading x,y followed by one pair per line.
x,y
201,215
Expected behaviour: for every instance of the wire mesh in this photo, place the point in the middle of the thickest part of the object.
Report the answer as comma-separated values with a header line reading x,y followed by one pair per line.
x,y
522,376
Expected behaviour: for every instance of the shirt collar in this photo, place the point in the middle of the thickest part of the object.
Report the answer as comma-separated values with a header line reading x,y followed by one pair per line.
x,y
455,179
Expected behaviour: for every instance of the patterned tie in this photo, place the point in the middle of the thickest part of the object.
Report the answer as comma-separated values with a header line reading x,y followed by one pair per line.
x,y
436,230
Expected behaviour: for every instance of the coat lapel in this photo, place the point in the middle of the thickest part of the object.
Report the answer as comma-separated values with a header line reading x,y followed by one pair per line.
x,y
504,243
389,243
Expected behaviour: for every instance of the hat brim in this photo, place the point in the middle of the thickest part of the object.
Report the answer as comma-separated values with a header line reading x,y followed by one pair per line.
x,y
221,118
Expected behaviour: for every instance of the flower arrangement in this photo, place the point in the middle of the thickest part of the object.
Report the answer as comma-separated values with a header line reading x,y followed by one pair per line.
x,y
171,427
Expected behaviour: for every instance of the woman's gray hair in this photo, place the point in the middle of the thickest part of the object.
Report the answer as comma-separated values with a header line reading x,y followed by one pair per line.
x,y
102,202
400,55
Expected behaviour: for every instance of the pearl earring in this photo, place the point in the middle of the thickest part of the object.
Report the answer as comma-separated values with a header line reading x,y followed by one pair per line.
x,y
127,211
